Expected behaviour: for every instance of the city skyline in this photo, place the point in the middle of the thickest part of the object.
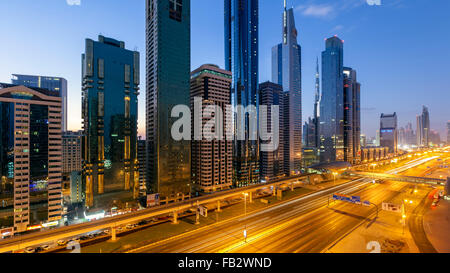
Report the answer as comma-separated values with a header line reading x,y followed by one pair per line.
x,y
315,20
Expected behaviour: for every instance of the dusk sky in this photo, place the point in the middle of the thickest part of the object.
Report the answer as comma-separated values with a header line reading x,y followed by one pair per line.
x,y
400,49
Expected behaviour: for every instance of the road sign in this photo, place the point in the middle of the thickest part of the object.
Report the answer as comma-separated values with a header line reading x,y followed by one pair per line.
x,y
203,211
152,200
392,207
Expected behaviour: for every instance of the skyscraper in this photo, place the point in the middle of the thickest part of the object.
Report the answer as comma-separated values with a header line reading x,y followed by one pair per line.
x,y
316,119
142,158
212,160
286,71
448,133
273,162
56,84
110,76
30,156
425,127
332,103
168,79
71,144
419,132
352,116
389,132
241,58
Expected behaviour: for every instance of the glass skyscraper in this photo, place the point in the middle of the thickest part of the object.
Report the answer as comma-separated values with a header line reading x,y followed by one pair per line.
x,y
110,87
168,85
56,84
332,102
286,71
241,58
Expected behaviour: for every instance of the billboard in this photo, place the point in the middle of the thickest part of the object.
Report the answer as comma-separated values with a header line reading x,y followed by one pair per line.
x,y
152,200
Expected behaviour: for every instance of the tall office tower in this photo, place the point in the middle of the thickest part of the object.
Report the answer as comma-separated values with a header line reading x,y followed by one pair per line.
x,y
352,100
332,103
110,76
434,138
410,136
402,136
363,141
272,163
425,127
317,107
142,159
309,133
30,156
389,132
286,71
377,139
241,58
212,156
419,132
168,77
56,84
71,144
448,132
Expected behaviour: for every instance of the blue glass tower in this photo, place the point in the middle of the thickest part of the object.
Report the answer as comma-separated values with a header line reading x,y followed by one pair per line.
x,y
241,58
332,102
110,76
286,71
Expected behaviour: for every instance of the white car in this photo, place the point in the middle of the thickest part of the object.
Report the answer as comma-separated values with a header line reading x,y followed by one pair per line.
x,y
30,250
62,242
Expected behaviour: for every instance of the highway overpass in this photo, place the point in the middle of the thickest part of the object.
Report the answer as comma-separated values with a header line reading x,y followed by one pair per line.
x,y
401,178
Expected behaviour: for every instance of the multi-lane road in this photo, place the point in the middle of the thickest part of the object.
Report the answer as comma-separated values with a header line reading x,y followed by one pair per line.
x,y
306,224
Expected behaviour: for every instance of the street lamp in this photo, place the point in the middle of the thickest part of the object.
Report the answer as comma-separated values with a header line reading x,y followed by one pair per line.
x,y
245,203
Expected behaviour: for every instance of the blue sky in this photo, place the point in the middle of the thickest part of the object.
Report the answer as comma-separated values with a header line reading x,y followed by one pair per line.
x,y
400,48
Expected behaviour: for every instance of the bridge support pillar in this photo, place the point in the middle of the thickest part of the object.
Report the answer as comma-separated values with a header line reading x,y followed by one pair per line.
x,y
292,186
250,197
113,234
175,218
218,206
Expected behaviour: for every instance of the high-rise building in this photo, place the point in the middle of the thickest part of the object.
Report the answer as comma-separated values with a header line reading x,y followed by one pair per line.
x,y
425,127
56,84
316,119
352,116
212,156
71,144
448,133
389,132
142,159
309,133
30,155
286,71
272,163
332,102
241,58
419,132
110,76
168,68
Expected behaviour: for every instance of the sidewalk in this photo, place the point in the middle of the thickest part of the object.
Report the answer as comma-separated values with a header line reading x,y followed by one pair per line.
x,y
437,226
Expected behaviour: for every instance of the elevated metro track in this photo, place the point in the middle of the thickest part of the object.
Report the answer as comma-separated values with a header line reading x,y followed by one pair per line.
x,y
401,178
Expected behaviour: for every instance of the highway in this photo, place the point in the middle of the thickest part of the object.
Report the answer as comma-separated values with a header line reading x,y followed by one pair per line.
x,y
303,225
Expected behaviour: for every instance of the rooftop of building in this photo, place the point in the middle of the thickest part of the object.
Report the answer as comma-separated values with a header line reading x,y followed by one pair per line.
x,y
211,69
40,90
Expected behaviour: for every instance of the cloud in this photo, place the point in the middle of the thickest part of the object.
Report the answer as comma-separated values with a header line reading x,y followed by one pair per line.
x,y
316,10
73,2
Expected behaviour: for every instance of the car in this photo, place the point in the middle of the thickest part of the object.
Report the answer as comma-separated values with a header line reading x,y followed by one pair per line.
x,y
130,226
45,247
30,250
38,249
142,223
106,231
62,242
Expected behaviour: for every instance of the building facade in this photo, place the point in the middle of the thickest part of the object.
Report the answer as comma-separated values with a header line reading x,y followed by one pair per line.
x,y
352,117
332,102
30,155
142,159
272,163
286,71
241,58
56,84
389,132
71,144
448,133
212,153
110,75
168,83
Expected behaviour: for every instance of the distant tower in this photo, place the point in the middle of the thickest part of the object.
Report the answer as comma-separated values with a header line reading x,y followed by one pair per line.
x,y
317,106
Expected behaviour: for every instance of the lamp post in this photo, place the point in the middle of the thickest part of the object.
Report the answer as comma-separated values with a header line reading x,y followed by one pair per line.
x,y
245,203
